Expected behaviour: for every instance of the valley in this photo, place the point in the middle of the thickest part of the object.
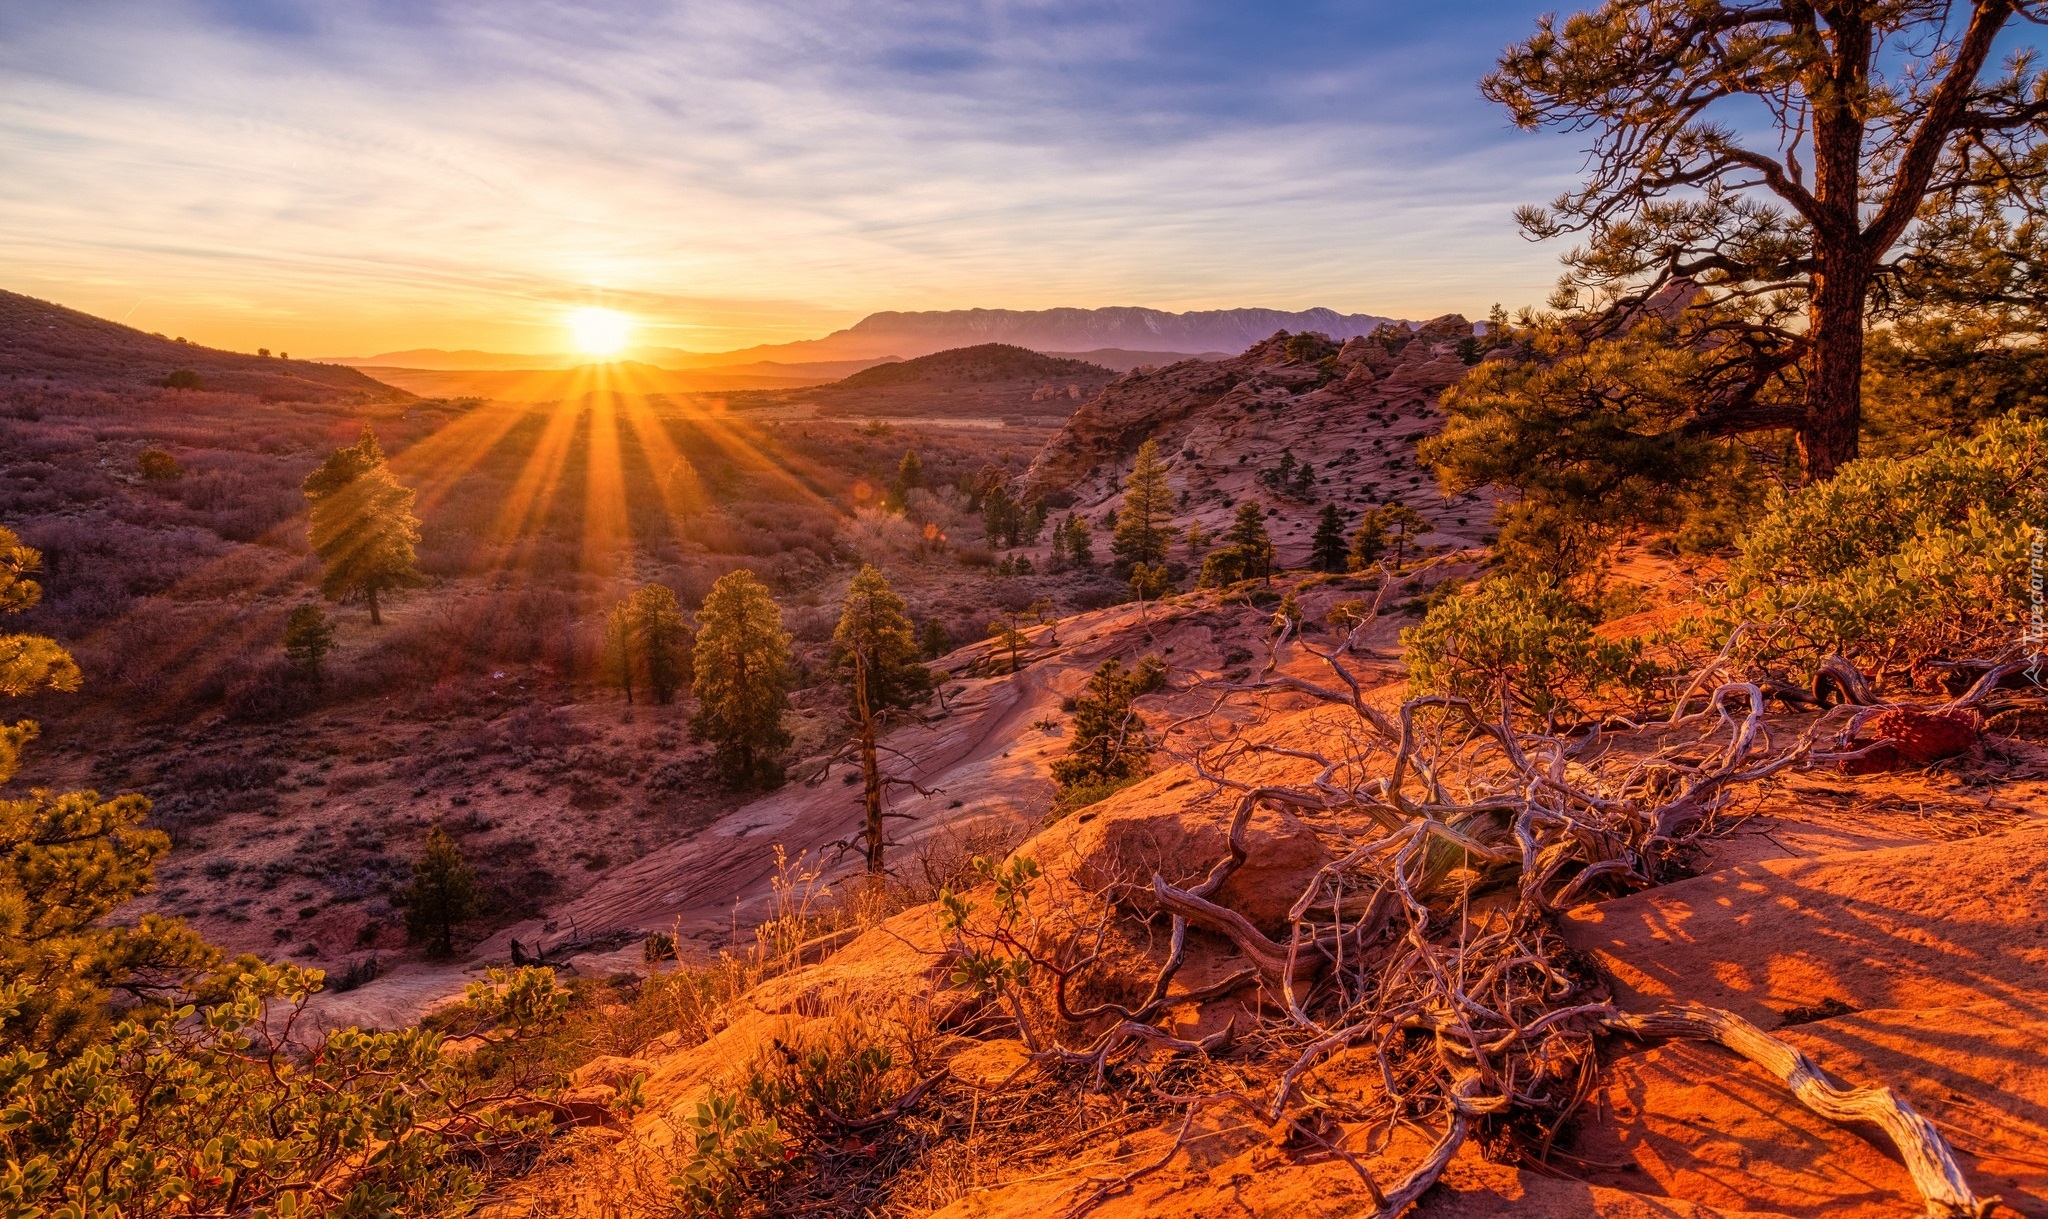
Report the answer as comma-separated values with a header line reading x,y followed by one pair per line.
x,y
606,847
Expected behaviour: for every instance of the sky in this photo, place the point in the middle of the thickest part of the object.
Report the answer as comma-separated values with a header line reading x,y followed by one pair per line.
x,y
347,177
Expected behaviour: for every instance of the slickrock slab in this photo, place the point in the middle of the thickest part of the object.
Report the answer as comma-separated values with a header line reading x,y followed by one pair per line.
x,y
1944,924
1921,967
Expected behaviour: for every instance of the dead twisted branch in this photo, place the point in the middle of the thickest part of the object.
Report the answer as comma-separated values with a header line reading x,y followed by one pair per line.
x,y
1431,945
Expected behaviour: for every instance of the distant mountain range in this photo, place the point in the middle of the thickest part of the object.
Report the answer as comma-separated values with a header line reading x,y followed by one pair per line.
x,y
1120,337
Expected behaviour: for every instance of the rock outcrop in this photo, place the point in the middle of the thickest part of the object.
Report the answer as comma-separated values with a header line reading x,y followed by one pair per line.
x,y
1352,412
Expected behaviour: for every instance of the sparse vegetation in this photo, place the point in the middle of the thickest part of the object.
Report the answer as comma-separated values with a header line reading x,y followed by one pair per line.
x,y
1530,646
1897,560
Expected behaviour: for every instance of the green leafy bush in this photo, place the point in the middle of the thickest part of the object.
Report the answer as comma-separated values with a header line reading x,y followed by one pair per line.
x,y
1895,559
206,1109
749,1139
1535,646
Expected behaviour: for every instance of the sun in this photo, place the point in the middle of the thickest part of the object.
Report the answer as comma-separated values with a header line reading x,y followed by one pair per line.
x,y
600,332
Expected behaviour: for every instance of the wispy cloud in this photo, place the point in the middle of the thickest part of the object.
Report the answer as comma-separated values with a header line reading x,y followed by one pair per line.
x,y
357,173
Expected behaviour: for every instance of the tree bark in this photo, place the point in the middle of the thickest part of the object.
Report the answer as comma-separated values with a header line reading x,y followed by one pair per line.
x,y
1828,435
1840,93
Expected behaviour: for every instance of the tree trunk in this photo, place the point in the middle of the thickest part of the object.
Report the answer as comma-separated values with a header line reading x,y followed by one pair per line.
x,y
870,773
1834,391
375,618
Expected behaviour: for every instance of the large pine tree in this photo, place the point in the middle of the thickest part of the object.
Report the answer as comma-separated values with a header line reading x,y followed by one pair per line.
x,y
1774,160
742,683
1142,533
362,525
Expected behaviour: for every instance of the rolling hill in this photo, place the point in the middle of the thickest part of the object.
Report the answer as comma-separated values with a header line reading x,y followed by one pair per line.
x,y
64,348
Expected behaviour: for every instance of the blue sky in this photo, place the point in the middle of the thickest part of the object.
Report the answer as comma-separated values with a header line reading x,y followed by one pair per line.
x,y
358,175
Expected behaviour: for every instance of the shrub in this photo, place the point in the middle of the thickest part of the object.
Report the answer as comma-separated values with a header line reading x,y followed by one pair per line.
x,y
1896,559
748,1140
157,466
1533,646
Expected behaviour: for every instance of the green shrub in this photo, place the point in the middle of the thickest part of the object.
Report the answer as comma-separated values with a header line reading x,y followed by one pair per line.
x,y
750,1138
1895,559
197,1110
1535,646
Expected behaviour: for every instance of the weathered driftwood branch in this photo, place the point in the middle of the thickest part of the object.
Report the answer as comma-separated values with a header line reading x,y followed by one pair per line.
x,y
1927,1156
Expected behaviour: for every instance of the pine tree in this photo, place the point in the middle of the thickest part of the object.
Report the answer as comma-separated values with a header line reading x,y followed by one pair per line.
x,y
936,641
1034,521
1150,581
1892,106
618,659
443,895
1009,635
1326,551
1198,541
1107,744
1368,541
1287,616
1001,518
1406,522
1248,534
874,624
308,637
67,861
877,652
1141,526
1080,540
742,682
909,474
661,638
362,525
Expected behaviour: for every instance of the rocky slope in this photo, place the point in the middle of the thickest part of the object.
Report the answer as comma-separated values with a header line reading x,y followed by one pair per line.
x,y
1352,411
1885,925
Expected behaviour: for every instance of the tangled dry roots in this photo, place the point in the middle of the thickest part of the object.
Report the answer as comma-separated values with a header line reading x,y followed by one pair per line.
x,y
1431,943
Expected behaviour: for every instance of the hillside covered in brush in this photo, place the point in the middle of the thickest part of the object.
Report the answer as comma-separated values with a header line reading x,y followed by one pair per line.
x,y
48,346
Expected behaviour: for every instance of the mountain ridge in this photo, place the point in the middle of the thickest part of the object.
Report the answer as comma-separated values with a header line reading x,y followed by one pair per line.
x,y
896,334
